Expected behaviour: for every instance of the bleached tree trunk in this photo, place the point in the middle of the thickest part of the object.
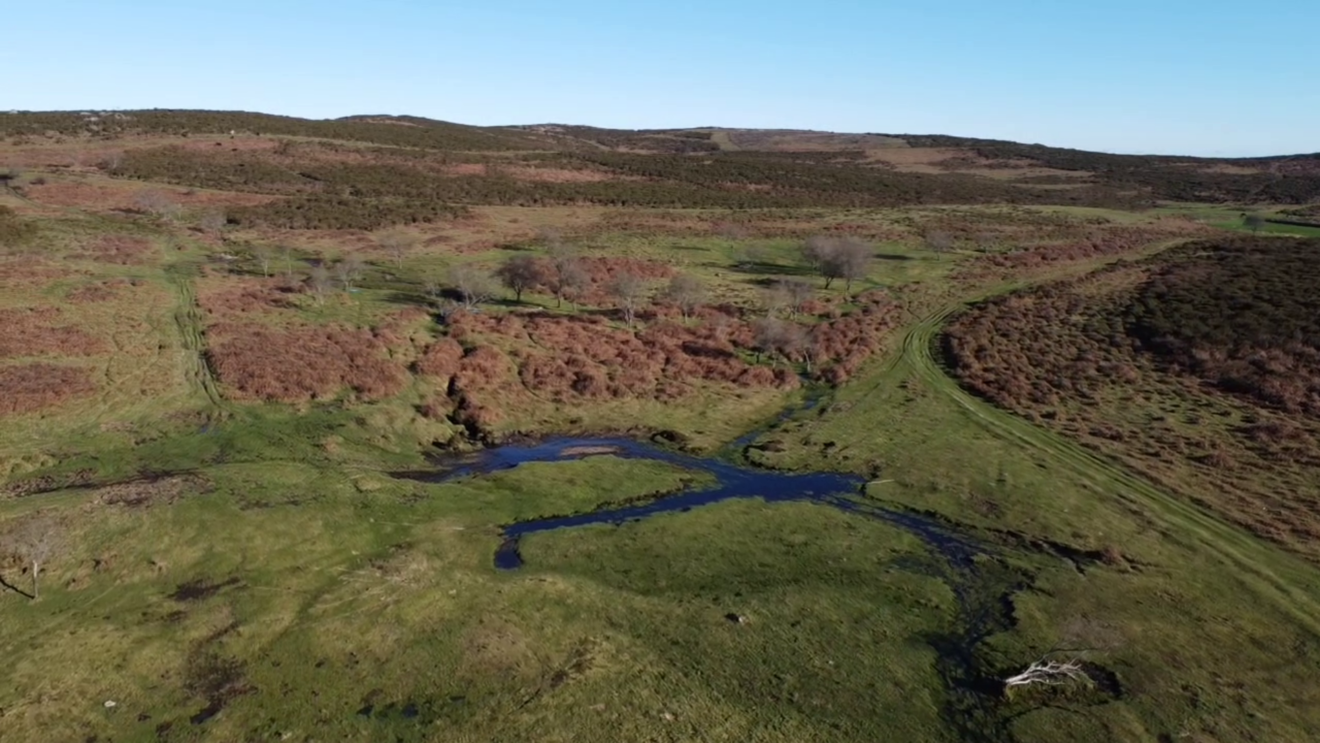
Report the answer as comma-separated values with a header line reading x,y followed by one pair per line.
x,y
1049,673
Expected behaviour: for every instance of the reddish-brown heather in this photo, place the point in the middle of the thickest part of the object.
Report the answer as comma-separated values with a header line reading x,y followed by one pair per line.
x,y
307,363
31,332
31,387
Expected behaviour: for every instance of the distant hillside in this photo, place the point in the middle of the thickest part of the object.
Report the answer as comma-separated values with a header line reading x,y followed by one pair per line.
x,y
415,162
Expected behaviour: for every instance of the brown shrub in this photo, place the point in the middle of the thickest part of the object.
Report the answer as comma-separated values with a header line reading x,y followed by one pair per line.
x,y
28,270
29,332
100,291
118,249
305,363
225,299
441,359
31,387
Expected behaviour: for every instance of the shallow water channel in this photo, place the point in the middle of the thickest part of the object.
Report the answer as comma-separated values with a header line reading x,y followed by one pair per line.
x,y
983,588
731,481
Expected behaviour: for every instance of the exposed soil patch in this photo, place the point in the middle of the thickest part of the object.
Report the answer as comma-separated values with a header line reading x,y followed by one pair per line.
x,y
149,492
216,679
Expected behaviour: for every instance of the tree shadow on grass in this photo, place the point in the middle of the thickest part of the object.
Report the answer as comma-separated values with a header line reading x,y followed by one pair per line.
x,y
763,269
16,589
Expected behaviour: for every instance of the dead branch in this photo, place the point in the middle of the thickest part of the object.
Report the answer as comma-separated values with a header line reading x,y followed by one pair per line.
x,y
1050,673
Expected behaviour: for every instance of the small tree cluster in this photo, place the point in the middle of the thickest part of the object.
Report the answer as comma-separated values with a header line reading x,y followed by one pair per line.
x,y
518,274
847,258
398,245
686,292
570,278
629,292
775,337
472,284
156,203
789,295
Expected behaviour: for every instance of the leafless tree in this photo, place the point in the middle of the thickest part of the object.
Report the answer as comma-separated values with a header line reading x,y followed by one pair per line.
x,y
786,294
111,162
766,332
398,244
776,337
570,278
721,325
816,250
1254,222
1049,673
793,341
939,241
473,284
36,540
629,292
986,241
212,221
319,281
518,274
571,282
686,292
773,299
853,261
847,258
348,270
550,237
263,255
286,252
796,294
751,256
157,203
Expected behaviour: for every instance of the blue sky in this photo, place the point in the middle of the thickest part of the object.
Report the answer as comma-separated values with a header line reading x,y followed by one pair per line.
x,y
1209,77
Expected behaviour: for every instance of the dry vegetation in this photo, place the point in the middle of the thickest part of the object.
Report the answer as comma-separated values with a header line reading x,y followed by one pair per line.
x,y
38,331
301,364
1199,366
26,388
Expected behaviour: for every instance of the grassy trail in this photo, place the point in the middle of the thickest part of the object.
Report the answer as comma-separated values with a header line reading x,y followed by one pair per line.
x,y
188,320
1280,578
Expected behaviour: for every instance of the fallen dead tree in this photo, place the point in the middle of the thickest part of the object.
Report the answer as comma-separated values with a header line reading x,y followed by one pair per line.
x,y
1049,673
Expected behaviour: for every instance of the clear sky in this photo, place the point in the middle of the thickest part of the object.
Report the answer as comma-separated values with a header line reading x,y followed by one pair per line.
x,y
1204,77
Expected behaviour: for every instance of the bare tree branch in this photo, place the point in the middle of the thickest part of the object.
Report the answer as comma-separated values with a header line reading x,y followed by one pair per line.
x,y
1049,673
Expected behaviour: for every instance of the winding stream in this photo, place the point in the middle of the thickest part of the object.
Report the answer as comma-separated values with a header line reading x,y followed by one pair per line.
x,y
731,481
983,588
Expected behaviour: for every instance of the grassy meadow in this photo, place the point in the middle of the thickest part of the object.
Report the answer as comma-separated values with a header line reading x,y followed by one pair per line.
x,y
212,442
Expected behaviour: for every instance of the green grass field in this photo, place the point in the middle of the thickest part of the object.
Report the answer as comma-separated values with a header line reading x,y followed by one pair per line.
x,y
233,569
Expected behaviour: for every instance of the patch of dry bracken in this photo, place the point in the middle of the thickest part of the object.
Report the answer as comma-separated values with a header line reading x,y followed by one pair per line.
x,y
34,331
306,363
32,387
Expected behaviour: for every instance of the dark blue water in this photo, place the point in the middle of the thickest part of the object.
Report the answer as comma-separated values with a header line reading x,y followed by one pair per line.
x,y
983,588
731,481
